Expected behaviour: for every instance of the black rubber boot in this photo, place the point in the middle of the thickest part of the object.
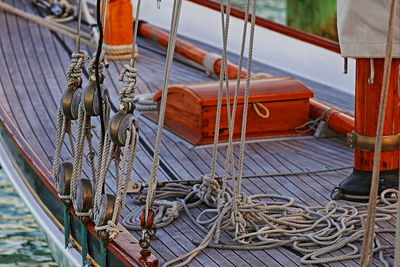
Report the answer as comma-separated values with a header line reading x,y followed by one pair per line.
x,y
356,187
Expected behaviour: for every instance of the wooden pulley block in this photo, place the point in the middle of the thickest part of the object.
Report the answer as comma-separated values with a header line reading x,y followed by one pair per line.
x,y
83,200
90,100
150,219
70,103
64,178
105,211
119,124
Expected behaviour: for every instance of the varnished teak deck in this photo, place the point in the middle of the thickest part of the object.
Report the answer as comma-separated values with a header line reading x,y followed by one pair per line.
x,y
33,61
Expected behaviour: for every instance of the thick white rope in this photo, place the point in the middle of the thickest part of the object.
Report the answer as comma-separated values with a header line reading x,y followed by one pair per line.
x,y
222,76
238,187
129,77
74,72
92,65
229,158
79,153
104,166
157,149
60,134
271,221
366,259
74,81
129,151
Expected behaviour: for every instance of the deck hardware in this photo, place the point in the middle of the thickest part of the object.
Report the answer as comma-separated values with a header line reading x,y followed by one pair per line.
x,y
126,107
144,243
83,200
119,124
150,220
135,187
105,211
49,7
64,179
90,99
366,143
70,103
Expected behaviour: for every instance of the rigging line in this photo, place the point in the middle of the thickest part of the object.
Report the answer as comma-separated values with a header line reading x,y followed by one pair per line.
x,y
100,9
229,152
135,33
78,29
246,99
222,75
366,255
157,149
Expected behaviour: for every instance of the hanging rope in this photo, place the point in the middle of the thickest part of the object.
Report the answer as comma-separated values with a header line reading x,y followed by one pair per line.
x,y
238,196
80,145
123,160
60,136
222,76
98,63
366,259
156,158
129,151
74,82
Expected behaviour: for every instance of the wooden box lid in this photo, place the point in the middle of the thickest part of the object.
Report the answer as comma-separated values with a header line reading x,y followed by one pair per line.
x,y
261,90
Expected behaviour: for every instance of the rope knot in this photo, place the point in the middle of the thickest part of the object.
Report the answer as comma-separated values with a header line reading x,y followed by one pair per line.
x,y
129,76
173,211
209,190
92,66
112,229
74,72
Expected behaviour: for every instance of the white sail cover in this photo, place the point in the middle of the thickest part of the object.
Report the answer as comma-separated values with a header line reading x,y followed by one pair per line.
x,y
362,28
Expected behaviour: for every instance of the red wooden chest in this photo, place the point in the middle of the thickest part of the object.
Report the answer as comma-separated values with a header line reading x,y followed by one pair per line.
x,y
191,109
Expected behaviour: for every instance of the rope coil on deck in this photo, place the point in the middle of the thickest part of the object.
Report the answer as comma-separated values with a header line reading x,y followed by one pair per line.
x,y
267,221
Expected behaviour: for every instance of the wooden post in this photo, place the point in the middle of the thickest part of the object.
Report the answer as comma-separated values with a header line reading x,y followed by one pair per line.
x,y
366,118
118,29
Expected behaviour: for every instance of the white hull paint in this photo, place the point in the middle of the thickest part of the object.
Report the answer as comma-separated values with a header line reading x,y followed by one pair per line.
x,y
289,54
54,236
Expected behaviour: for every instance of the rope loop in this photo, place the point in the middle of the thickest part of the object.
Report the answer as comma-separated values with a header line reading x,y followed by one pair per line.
x,y
74,72
266,113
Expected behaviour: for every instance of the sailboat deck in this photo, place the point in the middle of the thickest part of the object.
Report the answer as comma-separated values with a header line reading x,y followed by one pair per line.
x,y
33,61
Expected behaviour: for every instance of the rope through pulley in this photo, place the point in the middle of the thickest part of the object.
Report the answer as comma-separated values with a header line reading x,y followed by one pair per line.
x,y
120,144
67,112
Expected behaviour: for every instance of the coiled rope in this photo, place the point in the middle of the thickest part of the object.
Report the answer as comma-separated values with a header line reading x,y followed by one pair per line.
x,y
270,221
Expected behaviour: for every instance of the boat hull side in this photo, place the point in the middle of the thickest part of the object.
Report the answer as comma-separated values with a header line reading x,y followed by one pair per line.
x,y
34,175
